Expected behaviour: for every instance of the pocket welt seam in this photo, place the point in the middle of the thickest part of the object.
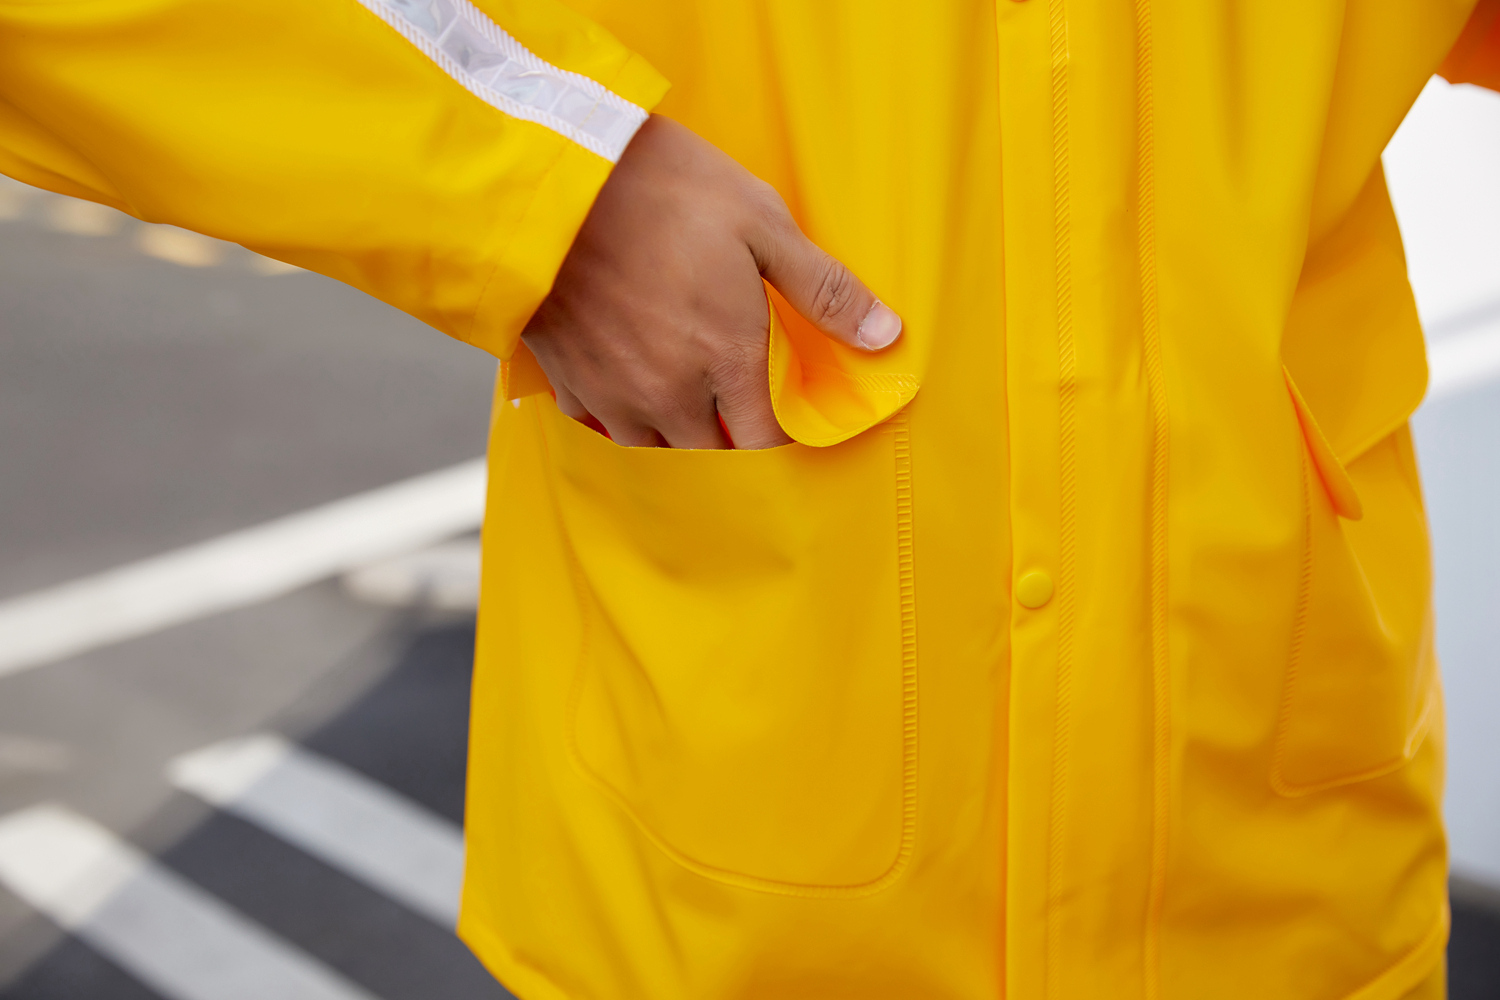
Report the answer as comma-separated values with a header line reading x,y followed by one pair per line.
x,y
1419,728
1332,472
905,575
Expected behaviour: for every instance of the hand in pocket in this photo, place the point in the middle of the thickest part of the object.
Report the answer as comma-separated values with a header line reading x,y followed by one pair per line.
x,y
656,326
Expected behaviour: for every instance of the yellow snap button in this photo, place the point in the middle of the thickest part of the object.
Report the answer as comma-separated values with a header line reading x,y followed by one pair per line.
x,y
1034,589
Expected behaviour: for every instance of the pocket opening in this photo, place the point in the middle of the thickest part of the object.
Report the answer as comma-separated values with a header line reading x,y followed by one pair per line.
x,y
1331,472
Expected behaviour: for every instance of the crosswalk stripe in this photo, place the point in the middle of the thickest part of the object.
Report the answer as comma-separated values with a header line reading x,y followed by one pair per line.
x,y
240,568
335,814
86,218
167,932
179,246
1464,361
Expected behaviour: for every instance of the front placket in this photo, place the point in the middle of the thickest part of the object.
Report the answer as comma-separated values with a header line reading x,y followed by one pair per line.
x,y
1088,781
1034,162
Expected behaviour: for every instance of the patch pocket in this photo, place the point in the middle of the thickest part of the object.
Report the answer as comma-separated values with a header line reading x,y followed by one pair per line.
x,y
1361,682
746,690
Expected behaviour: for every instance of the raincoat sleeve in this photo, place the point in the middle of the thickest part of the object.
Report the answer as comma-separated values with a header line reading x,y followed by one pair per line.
x,y
436,154
1475,57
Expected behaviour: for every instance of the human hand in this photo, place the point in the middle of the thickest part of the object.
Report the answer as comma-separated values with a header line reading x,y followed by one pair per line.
x,y
656,327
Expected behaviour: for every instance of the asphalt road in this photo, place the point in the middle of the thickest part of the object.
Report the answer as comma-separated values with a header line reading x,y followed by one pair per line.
x,y
148,404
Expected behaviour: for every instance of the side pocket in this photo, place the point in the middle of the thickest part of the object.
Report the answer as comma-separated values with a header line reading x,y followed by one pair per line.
x,y
746,692
1361,679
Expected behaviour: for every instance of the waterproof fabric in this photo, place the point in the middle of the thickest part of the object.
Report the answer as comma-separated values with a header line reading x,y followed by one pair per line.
x,y
774,724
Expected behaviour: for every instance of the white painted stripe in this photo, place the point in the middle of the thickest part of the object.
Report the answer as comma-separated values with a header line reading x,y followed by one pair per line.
x,y
167,932
1464,361
444,577
493,66
239,568
335,814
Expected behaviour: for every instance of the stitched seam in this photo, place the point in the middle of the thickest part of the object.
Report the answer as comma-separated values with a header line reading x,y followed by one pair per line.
x,y
906,577
905,569
539,89
1161,666
1299,633
1067,490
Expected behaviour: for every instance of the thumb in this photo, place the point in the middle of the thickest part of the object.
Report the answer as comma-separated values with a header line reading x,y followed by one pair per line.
x,y
826,292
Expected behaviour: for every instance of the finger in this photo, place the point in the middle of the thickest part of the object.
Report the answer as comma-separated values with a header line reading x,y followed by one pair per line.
x,y
643,410
824,291
568,403
633,435
746,412
706,436
695,426
571,406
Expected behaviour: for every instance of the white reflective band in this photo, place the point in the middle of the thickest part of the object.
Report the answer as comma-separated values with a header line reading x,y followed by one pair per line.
x,y
504,74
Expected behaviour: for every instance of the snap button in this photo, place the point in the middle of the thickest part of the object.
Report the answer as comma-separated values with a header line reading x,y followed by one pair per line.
x,y
1034,589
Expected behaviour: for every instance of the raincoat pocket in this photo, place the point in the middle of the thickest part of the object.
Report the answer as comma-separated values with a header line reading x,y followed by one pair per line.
x,y
1361,683
746,690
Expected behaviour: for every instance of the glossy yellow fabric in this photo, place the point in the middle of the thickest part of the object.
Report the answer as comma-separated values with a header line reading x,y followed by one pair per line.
x,y
314,134
771,724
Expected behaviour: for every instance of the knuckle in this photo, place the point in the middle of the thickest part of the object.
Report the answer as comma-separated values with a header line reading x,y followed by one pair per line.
x,y
766,201
667,404
834,300
736,381
731,367
656,402
766,212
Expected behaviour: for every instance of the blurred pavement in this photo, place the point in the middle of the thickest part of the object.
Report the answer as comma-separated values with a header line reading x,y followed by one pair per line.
x,y
158,390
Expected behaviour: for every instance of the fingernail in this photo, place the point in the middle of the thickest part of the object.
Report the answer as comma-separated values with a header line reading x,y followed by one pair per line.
x,y
879,328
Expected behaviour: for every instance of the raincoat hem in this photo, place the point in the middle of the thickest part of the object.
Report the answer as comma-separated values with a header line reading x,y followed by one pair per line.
x,y
1411,969
524,983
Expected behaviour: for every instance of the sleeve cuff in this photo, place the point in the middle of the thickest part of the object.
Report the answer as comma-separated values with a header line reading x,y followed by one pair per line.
x,y
527,265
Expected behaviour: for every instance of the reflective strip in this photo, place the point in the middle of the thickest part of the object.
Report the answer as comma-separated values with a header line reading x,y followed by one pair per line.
x,y
504,74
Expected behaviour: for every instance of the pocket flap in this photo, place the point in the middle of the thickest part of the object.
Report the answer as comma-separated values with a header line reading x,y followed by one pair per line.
x,y
823,392
1331,471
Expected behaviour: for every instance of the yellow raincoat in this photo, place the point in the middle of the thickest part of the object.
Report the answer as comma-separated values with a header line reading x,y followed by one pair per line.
x,y
1101,666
